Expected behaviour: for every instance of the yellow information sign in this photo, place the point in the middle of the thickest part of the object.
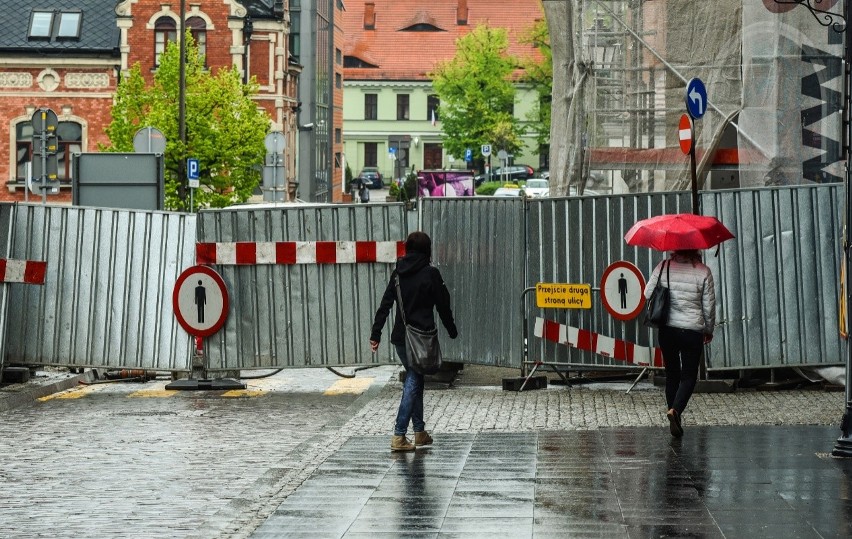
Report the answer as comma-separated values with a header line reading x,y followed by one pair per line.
x,y
563,296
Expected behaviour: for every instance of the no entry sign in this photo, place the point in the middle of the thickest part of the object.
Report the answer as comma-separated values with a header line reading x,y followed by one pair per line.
x,y
684,133
200,301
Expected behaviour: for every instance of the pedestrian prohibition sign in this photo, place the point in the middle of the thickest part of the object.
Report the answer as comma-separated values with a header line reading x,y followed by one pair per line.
x,y
684,133
622,290
200,301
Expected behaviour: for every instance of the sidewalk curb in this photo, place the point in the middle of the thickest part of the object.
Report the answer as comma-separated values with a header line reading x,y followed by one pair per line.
x,y
28,396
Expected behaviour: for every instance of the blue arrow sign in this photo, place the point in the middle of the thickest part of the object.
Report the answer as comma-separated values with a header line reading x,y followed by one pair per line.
x,y
192,169
696,98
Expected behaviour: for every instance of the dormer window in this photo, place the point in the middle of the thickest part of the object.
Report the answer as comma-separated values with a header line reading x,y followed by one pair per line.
x,y
57,25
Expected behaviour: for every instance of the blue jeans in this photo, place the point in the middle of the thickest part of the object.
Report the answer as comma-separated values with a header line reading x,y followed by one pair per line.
x,y
411,404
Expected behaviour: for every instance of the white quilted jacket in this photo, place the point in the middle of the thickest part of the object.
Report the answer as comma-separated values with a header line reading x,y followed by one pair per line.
x,y
693,298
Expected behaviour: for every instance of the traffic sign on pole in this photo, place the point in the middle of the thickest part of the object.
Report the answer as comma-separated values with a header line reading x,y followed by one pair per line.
x,y
696,98
486,150
685,133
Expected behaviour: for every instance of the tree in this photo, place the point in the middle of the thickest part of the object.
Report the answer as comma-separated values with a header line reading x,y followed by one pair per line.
x,y
225,129
539,73
477,94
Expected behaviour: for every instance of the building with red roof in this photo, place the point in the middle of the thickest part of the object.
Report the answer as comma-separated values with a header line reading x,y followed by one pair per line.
x,y
390,48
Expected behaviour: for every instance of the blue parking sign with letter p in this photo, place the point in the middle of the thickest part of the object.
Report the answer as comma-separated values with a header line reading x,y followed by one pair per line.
x,y
468,155
192,169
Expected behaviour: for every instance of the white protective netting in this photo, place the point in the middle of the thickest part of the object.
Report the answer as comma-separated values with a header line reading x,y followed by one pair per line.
x,y
774,82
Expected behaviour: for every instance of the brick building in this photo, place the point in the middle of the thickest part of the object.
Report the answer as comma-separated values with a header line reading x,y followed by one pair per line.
x,y
69,55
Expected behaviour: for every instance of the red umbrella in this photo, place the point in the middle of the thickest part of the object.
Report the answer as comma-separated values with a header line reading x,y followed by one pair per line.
x,y
678,231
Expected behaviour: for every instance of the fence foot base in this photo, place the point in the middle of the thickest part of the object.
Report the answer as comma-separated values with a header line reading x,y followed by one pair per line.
x,y
219,384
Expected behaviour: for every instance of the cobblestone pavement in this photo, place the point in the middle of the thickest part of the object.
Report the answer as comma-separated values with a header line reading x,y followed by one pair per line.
x,y
203,465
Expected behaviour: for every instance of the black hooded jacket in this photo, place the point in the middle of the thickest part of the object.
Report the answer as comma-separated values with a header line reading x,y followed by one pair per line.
x,y
423,290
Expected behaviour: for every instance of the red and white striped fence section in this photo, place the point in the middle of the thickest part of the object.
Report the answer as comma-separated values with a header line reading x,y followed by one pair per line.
x,y
583,339
298,252
22,271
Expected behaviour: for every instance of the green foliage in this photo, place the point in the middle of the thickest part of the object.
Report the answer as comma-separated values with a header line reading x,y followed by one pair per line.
x,y
477,94
225,129
394,190
540,74
488,188
409,186
348,174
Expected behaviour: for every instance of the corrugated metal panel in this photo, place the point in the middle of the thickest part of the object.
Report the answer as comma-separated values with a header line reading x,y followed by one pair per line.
x,y
5,240
479,246
107,299
302,315
778,294
573,240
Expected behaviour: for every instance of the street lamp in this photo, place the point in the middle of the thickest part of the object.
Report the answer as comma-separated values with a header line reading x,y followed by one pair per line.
x,y
837,22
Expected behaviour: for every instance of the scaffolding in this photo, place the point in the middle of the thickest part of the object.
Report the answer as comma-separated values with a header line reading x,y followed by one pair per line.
x,y
774,83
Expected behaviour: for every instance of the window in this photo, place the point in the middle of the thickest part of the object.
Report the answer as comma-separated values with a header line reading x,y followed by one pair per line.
x,y
338,136
295,42
165,30
338,56
338,80
69,140
371,154
371,106
402,107
432,103
198,29
41,24
58,25
69,25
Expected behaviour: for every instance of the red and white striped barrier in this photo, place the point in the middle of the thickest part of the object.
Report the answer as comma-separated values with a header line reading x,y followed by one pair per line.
x,y
22,271
582,339
298,252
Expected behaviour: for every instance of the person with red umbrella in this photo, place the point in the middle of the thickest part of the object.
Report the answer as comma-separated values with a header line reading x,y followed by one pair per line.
x,y
692,298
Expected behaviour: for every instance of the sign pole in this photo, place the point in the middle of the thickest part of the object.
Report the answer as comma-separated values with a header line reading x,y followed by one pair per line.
x,y
695,208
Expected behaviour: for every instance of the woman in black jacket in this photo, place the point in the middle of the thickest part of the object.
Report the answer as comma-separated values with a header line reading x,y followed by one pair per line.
x,y
423,290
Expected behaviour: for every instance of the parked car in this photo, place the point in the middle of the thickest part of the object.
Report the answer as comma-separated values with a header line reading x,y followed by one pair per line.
x,y
536,188
372,178
512,173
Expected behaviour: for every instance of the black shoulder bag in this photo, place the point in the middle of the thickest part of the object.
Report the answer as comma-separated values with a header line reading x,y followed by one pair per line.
x,y
657,308
421,346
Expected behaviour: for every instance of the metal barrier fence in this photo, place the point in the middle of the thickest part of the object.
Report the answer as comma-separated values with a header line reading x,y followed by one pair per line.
x,y
573,240
479,246
297,315
776,283
106,301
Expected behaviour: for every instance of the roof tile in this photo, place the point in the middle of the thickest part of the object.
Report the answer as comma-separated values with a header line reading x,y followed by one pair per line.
x,y
412,55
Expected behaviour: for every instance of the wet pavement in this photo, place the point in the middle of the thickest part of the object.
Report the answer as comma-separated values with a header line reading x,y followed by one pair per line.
x,y
731,482
306,454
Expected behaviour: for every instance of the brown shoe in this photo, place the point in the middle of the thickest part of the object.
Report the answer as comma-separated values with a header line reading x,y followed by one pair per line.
x,y
422,438
401,443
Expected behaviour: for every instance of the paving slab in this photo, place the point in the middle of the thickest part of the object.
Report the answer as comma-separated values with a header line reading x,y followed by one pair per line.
x,y
717,481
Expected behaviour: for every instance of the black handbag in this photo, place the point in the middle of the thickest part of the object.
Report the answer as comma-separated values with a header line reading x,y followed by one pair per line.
x,y
421,346
657,308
